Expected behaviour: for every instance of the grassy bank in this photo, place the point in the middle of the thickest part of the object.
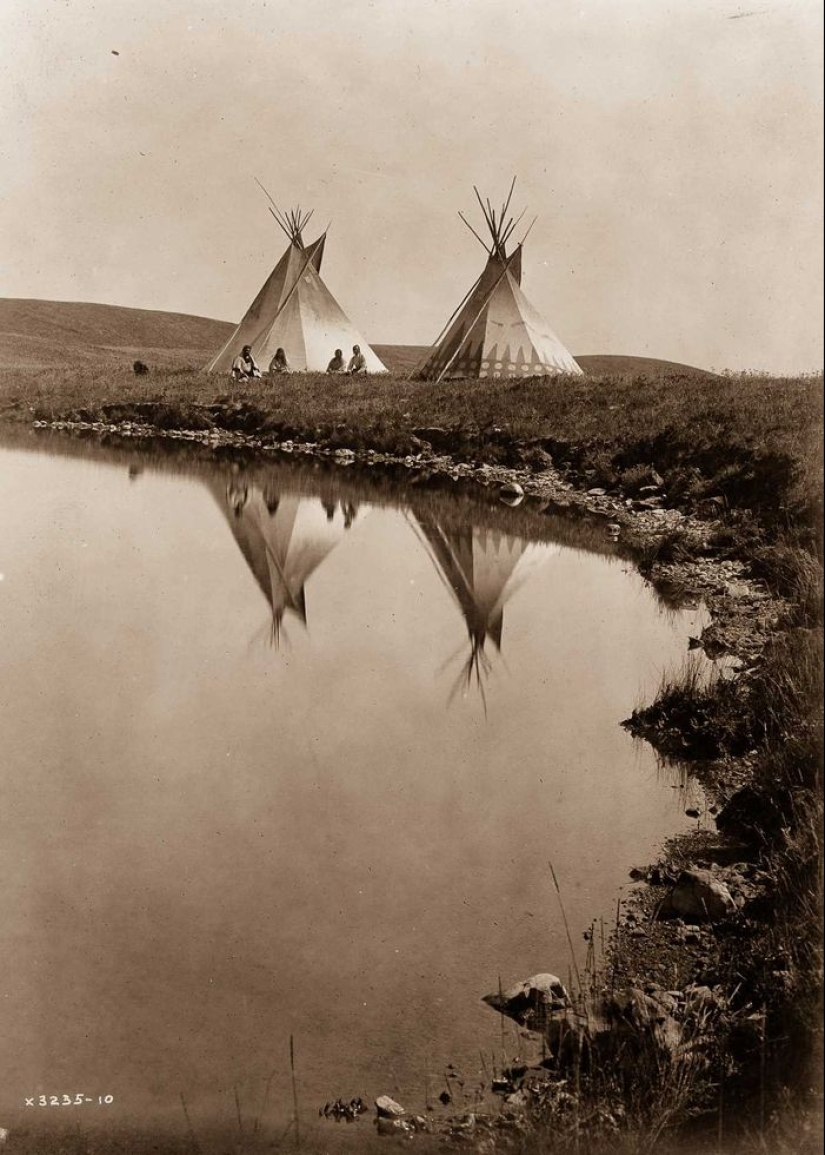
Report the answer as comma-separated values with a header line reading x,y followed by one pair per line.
x,y
750,440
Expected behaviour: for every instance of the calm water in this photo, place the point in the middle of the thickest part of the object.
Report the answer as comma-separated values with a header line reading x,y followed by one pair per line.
x,y
284,758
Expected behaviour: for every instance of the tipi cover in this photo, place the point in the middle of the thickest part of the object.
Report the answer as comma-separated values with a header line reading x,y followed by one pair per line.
x,y
296,312
497,332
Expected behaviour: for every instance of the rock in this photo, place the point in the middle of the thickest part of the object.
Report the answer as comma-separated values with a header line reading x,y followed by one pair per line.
x,y
536,458
511,493
392,1126
702,998
635,1013
530,1002
712,506
736,589
700,897
597,492
387,1108
436,435
755,815
618,1027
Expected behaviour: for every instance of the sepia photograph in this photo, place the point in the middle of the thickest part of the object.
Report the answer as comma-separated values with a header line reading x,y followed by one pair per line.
x,y
411,577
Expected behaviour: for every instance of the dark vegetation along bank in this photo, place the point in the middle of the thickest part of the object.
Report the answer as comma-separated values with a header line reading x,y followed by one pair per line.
x,y
698,1025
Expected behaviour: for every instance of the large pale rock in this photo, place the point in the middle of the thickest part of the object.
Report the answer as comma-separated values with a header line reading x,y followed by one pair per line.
x,y
532,1001
699,896
387,1108
392,1126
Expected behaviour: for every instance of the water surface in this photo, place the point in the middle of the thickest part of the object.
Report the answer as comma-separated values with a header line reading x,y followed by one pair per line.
x,y
286,756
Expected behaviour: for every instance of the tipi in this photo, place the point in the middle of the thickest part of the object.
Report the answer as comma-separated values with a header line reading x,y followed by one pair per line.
x,y
496,331
283,538
295,311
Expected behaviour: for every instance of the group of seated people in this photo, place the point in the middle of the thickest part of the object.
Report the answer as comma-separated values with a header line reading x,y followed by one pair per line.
x,y
245,367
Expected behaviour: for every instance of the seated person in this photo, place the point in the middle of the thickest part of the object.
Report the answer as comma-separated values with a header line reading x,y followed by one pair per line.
x,y
358,362
244,366
279,363
337,364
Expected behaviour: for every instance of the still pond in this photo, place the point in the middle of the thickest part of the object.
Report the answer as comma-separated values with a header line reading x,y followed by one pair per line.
x,y
286,754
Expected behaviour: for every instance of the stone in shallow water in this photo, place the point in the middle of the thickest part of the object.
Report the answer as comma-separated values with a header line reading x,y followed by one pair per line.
x,y
387,1108
529,1002
511,493
392,1126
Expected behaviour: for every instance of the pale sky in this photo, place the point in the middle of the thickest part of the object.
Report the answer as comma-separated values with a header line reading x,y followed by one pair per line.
x,y
672,150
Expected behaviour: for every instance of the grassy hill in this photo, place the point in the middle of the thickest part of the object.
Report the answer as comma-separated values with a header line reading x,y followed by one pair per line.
x,y
44,334
47,334
403,358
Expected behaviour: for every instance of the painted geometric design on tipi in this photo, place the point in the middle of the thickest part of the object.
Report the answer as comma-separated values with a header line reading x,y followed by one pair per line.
x,y
295,311
498,332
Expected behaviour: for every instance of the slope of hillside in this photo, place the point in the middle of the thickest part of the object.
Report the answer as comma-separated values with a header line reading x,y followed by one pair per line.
x,y
604,364
46,333
42,334
404,358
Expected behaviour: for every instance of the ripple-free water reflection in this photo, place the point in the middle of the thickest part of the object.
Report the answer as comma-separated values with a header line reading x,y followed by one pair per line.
x,y
283,538
209,845
482,568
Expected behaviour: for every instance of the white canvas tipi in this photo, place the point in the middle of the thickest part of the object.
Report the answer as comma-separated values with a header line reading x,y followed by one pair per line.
x,y
496,331
296,312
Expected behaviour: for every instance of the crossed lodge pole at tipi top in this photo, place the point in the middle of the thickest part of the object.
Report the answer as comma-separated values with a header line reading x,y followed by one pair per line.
x,y
505,332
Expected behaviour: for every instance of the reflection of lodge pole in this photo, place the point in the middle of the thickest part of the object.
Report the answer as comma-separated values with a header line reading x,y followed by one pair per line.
x,y
294,1092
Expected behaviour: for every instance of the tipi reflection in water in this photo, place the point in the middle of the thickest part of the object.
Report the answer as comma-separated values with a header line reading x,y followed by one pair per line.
x,y
482,568
283,537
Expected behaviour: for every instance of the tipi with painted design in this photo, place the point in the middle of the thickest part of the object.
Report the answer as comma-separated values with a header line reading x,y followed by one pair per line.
x,y
495,331
296,312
